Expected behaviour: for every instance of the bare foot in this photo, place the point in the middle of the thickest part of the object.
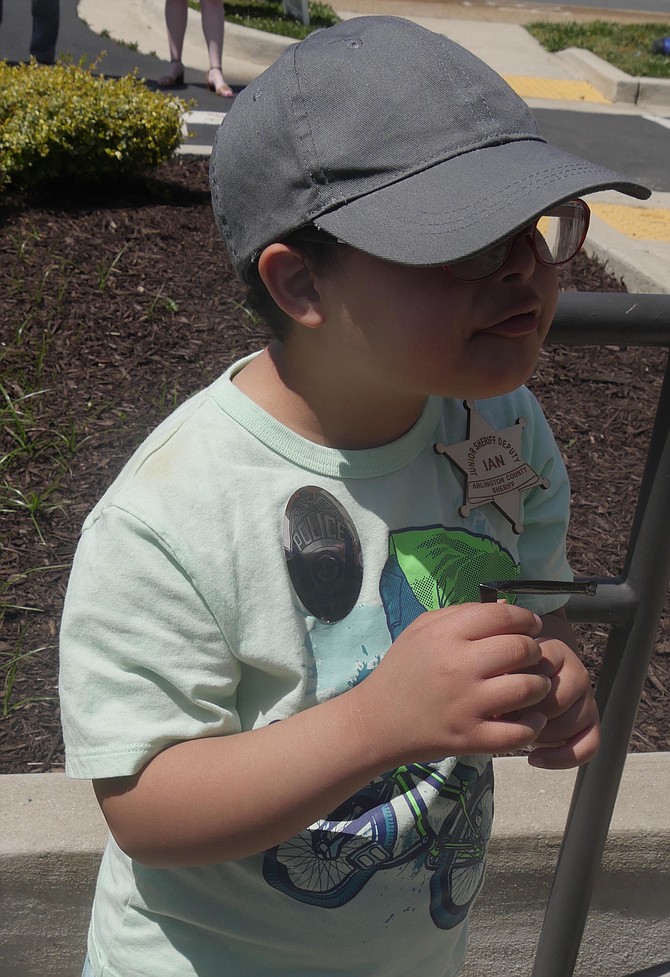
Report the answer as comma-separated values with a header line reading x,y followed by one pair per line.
x,y
215,83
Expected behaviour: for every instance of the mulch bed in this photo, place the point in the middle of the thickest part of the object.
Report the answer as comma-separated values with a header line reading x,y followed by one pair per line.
x,y
117,303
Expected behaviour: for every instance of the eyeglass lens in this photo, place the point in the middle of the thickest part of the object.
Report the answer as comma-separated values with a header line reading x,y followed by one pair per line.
x,y
555,238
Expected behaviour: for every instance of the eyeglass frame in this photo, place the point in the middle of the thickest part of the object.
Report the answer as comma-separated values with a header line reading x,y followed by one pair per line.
x,y
313,234
528,231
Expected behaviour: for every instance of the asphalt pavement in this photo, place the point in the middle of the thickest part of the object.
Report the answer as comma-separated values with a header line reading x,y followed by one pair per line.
x,y
575,107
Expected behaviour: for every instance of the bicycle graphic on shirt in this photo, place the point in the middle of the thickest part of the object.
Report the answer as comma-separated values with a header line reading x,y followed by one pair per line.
x,y
414,813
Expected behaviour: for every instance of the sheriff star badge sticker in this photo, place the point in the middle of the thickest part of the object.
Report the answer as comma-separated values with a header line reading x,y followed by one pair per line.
x,y
493,467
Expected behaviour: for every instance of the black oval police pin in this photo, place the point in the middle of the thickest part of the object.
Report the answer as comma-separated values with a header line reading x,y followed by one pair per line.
x,y
323,553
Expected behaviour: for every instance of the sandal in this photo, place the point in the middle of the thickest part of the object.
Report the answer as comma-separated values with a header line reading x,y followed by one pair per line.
x,y
220,88
173,78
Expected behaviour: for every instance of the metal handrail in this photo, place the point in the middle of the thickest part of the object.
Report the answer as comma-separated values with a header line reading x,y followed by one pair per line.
x,y
631,604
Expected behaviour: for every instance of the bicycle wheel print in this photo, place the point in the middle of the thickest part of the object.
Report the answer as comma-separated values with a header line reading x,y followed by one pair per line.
x,y
328,865
461,863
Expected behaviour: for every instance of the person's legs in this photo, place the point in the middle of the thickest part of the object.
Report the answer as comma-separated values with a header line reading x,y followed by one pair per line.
x,y
45,30
212,27
176,15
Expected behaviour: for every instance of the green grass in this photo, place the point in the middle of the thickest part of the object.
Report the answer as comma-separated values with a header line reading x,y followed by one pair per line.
x,y
26,437
26,431
266,15
626,46
10,665
35,453
12,661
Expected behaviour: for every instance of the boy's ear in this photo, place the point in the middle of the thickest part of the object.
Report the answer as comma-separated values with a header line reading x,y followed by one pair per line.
x,y
291,284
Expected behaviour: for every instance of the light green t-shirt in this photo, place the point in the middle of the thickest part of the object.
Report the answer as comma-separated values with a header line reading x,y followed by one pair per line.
x,y
183,619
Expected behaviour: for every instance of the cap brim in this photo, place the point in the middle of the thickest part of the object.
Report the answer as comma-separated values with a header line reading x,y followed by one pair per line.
x,y
464,205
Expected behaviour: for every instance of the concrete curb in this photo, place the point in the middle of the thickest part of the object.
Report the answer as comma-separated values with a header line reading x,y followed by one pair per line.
x,y
52,835
257,46
642,264
628,927
642,271
613,83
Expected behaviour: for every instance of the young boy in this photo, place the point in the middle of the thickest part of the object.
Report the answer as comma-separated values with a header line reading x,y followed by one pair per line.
x,y
274,665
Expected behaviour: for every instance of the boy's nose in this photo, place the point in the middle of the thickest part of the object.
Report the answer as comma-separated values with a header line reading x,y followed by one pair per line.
x,y
521,259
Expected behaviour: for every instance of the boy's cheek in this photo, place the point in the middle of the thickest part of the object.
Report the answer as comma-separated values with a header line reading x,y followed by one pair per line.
x,y
549,295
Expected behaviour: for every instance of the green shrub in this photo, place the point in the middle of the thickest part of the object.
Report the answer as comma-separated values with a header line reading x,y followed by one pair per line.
x,y
65,122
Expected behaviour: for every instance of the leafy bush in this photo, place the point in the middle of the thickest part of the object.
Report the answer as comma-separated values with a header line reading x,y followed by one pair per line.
x,y
67,122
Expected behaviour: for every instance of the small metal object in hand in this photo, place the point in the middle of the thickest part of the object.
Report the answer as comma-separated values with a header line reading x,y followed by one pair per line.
x,y
488,592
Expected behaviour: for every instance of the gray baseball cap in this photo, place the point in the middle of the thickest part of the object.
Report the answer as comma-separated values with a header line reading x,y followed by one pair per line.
x,y
395,140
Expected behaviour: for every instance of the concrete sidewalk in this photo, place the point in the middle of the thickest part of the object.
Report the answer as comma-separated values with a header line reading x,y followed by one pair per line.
x,y
506,46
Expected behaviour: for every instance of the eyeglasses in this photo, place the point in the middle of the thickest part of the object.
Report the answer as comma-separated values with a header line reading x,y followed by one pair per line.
x,y
554,238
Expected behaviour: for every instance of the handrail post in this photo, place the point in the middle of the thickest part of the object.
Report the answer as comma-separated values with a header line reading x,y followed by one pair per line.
x,y
627,655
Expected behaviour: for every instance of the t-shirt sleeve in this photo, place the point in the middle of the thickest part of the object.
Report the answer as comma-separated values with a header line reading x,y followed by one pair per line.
x,y
542,545
143,662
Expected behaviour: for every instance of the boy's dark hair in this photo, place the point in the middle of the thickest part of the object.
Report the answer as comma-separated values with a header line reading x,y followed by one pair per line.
x,y
320,253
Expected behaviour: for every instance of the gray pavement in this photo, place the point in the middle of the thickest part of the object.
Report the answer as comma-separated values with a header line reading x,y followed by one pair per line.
x,y
88,32
638,145
580,103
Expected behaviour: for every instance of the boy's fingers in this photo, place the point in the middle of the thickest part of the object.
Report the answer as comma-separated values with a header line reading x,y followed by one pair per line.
x,y
501,735
475,621
573,753
564,723
510,653
512,697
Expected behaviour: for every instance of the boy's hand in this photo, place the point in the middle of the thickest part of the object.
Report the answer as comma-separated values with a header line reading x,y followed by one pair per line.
x,y
463,679
572,734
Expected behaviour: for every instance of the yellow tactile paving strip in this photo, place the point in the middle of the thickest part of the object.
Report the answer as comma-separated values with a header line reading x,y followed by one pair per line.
x,y
561,89
639,223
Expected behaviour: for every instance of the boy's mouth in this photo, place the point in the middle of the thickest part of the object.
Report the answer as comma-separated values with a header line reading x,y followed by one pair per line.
x,y
521,324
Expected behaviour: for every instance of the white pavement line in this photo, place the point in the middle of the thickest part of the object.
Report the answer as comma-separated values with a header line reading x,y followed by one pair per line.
x,y
198,118
659,120
186,149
